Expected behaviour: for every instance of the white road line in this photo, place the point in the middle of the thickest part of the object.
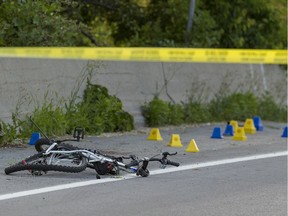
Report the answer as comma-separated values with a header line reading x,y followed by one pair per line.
x,y
130,176
219,162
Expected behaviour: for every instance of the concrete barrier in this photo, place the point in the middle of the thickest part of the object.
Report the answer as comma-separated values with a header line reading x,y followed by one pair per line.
x,y
133,82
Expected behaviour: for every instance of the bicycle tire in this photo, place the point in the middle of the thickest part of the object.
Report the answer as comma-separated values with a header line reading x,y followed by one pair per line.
x,y
40,143
44,141
66,146
44,167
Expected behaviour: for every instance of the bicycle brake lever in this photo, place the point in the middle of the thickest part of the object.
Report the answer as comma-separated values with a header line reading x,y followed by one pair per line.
x,y
133,157
165,154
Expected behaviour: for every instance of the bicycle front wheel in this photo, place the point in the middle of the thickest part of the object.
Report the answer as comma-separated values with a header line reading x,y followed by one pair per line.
x,y
42,144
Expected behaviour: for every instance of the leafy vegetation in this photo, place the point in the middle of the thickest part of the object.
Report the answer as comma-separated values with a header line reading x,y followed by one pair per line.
x,y
268,109
37,23
97,112
246,24
50,117
224,24
8,133
239,106
258,24
100,112
156,112
235,106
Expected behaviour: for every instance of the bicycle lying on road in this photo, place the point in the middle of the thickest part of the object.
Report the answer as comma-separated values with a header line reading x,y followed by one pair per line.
x,y
60,156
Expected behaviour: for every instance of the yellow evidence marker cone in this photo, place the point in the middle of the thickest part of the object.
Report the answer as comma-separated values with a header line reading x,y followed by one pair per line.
x,y
192,147
239,134
155,135
234,125
175,141
249,126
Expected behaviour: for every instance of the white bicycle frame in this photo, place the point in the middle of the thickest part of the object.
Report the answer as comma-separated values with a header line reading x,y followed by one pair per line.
x,y
92,157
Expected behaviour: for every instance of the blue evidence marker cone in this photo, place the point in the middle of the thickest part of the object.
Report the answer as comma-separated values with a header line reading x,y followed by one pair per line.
x,y
257,123
34,137
285,131
228,130
216,133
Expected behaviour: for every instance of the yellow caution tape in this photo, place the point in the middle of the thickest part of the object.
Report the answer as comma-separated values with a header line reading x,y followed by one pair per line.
x,y
151,54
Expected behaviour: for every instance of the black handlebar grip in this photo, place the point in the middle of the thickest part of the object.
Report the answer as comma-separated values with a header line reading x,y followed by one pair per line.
x,y
173,163
132,163
165,154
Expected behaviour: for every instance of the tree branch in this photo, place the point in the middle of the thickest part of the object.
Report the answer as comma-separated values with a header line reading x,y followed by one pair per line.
x,y
90,37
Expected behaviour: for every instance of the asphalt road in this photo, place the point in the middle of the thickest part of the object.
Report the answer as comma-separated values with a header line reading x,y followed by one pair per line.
x,y
254,187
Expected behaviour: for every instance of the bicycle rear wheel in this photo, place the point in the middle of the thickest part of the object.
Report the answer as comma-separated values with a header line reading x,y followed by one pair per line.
x,y
70,163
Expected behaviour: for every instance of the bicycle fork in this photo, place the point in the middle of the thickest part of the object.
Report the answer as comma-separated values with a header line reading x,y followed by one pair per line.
x,y
142,170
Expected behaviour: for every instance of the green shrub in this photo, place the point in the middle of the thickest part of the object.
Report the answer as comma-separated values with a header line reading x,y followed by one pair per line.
x,y
269,110
124,121
235,106
77,117
8,133
239,106
156,112
160,113
49,117
196,113
176,114
100,112
215,108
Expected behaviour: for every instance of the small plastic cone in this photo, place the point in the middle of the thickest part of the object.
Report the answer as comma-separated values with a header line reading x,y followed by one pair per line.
x,y
239,135
175,141
249,126
155,135
234,125
192,147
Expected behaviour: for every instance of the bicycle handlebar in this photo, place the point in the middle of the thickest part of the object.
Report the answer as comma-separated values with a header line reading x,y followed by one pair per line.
x,y
173,163
165,154
164,161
